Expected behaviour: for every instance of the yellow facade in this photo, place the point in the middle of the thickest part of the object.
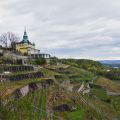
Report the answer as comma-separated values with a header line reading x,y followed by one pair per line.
x,y
24,48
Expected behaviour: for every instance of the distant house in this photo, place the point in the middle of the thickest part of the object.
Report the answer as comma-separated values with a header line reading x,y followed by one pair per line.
x,y
27,48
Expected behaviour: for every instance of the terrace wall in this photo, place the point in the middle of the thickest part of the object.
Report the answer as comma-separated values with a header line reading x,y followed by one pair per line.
x,y
16,68
25,76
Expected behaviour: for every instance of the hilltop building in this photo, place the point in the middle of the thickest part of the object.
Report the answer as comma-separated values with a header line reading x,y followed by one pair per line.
x,y
25,47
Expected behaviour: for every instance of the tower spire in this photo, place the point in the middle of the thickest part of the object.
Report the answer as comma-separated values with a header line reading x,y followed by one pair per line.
x,y
25,37
25,32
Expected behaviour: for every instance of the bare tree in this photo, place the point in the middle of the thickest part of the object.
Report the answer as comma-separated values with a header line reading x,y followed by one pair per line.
x,y
4,40
8,39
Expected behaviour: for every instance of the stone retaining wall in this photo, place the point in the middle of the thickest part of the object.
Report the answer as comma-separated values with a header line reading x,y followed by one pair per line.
x,y
16,68
25,76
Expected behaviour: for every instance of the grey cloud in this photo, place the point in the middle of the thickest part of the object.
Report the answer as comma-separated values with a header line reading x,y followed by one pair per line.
x,y
66,28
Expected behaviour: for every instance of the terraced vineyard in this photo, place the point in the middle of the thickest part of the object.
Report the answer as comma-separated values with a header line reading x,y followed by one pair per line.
x,y
63,93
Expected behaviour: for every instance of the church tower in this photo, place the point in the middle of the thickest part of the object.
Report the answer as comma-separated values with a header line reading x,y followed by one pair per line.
x,y
25,46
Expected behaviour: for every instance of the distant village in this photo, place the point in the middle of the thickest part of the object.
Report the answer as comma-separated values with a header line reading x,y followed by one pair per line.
x,y
21,51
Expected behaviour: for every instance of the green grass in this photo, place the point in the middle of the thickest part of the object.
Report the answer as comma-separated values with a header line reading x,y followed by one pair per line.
x,y
24,107
99,92
102,103
76,115
115,100
48,72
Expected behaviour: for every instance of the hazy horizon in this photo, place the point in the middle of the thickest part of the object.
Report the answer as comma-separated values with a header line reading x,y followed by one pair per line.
x,y
89,58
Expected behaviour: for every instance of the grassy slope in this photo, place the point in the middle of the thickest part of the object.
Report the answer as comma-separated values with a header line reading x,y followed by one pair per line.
x,y
24,107
78,76
68,73
109,84
76,115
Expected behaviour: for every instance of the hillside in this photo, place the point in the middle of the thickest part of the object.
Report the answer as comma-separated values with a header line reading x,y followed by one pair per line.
x,y
86,64
65,90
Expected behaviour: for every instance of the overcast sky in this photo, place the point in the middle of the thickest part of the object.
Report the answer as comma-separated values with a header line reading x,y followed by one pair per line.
x,y
66,28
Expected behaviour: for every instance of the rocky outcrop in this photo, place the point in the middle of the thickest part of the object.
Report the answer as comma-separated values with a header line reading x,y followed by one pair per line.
x,y
35,86
81,87
66,84
25,90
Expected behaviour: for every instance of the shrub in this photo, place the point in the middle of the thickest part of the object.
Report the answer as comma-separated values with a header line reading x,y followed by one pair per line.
x,y
40,61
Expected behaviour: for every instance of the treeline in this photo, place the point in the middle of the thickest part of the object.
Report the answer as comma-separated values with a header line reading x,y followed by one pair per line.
x,y
113,65
113,74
